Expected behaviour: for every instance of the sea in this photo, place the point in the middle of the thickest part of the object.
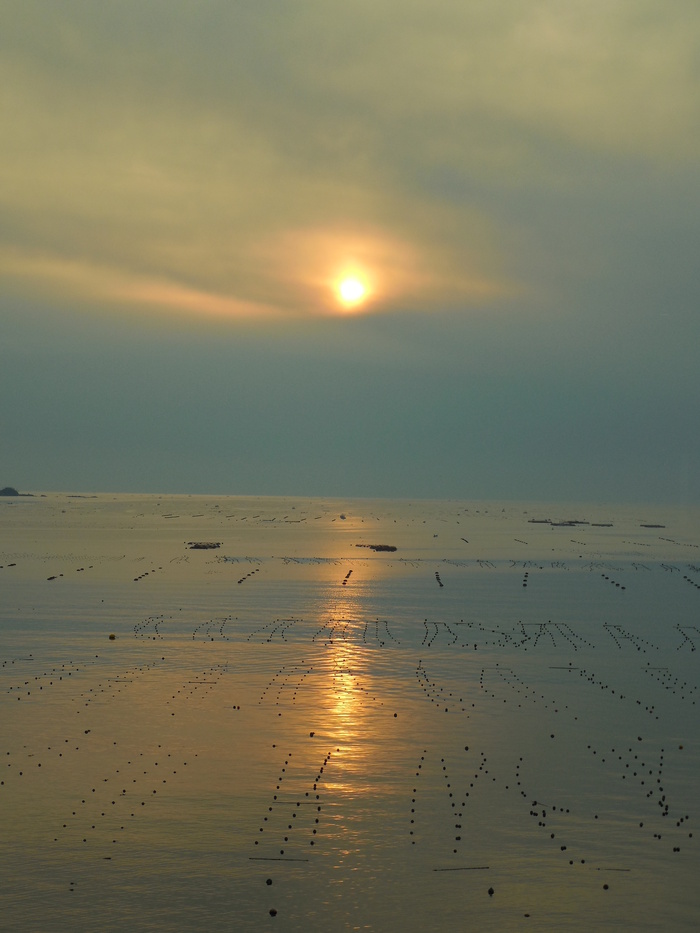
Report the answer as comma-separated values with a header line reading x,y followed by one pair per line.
x,y
242,713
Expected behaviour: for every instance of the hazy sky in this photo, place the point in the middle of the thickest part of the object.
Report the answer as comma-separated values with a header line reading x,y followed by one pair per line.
x,y
516,184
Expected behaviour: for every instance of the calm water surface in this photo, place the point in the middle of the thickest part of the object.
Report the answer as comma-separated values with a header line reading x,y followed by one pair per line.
x,y
494,726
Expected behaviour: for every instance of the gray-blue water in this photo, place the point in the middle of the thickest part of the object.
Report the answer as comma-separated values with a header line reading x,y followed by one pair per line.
x,y
493,726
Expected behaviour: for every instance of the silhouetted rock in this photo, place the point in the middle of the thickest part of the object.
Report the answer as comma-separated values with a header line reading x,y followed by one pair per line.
x,y
8,491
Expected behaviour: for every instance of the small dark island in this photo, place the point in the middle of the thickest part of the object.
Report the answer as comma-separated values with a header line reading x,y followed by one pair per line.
x,y
11,491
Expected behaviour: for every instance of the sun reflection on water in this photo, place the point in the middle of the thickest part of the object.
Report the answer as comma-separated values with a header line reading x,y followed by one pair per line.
x,y
347,716
345,699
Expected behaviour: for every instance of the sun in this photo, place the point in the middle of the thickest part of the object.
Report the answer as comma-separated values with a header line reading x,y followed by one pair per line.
x,y
351,291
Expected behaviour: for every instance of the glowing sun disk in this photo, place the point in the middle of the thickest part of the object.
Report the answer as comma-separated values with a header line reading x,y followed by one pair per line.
x,y
351,290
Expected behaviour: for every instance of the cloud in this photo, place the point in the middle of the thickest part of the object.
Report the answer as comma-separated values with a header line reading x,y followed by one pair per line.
x,y
70,281
231,158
